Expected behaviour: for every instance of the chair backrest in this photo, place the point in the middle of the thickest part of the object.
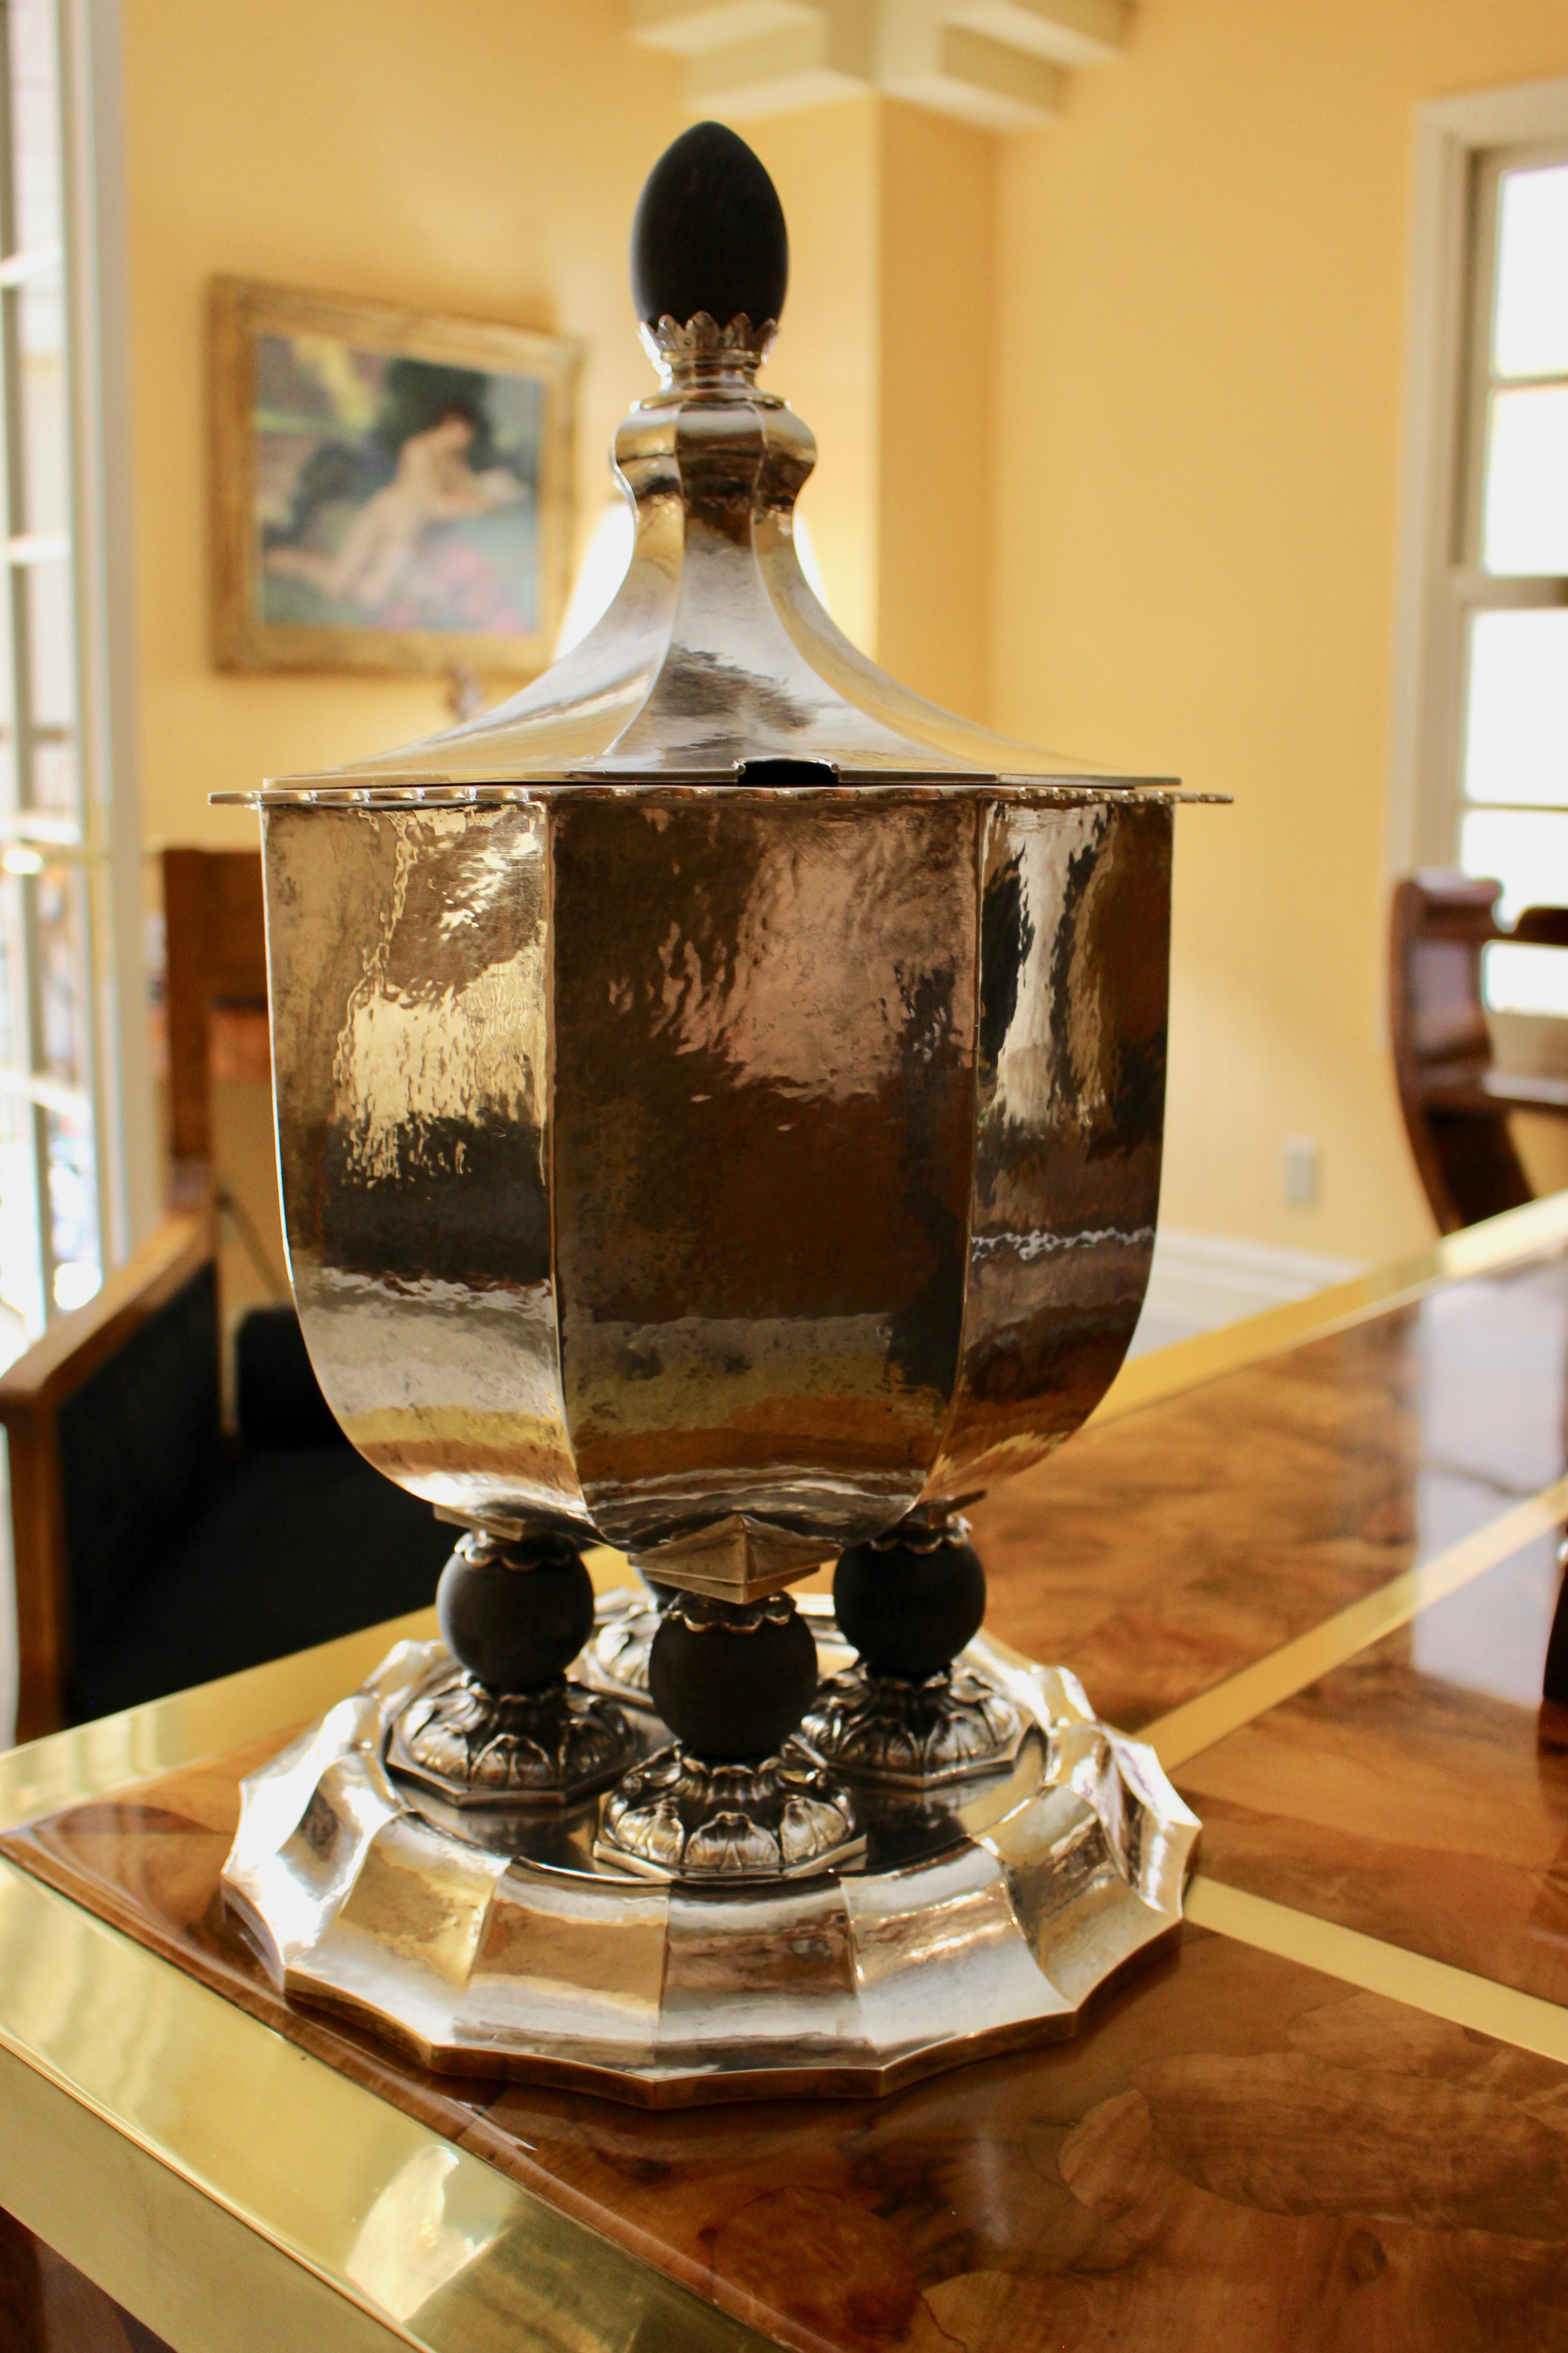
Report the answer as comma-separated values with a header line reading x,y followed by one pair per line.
x,y
1442,925
139,1447
214,945
1455,1101
111,1425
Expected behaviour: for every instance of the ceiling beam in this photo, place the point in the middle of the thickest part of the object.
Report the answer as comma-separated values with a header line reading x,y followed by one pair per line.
x,y
689,27
831,55
1069,32
951,70
998,63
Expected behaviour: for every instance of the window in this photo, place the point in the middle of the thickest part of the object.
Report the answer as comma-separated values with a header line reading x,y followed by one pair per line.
x,y
1511,583
1481,718
73,1113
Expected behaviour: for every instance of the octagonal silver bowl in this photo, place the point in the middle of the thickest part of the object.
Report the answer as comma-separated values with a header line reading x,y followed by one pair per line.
x,y
720,1172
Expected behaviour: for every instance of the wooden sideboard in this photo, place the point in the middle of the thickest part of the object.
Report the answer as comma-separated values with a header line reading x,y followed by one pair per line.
x,y
1314,1560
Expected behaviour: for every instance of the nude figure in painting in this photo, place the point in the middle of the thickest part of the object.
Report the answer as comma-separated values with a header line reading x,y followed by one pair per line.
x,y
433,483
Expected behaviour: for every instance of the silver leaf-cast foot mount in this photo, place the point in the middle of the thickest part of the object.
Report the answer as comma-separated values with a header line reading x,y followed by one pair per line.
x,y
974,1918
478,1747
678,1817
952,1728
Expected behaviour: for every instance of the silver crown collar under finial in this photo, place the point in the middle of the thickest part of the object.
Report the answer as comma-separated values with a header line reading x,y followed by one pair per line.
x,y
703,356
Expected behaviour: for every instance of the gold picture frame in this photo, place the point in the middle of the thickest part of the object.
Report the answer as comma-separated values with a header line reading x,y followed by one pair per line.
x,y
392,488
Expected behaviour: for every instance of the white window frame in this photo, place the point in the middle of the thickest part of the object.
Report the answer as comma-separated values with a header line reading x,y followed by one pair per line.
x,y
92,78
1438,583
104,836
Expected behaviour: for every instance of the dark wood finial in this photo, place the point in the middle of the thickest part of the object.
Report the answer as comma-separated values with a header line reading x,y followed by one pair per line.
x,y
708,234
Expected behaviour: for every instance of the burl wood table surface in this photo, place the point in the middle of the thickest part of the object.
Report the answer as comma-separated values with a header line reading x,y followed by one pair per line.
x,y
1315,1559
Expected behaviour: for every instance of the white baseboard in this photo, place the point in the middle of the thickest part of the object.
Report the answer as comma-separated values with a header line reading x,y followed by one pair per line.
x,y
1202,1280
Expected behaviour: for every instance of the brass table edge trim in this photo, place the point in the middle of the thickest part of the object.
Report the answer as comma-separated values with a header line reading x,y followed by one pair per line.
x,y
1525,2020
193,2006
131,2264
1199,1724
1513,1239
150,2143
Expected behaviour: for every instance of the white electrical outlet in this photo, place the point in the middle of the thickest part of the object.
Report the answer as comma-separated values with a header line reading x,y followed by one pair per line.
x,y
1303,1171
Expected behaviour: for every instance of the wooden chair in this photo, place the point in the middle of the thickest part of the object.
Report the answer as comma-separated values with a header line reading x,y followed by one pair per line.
x,y
1455,1101
215,996
152,1550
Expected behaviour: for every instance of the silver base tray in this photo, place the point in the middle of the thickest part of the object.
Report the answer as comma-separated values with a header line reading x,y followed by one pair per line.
x,y
978,1919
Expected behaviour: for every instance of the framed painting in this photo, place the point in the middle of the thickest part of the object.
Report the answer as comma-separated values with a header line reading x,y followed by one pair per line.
x,y
392,488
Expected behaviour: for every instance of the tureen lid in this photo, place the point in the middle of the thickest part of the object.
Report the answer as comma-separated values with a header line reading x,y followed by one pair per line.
x,y
715,667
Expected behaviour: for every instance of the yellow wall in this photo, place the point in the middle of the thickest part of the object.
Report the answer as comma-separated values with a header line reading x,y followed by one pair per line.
x,y
1110,418
1201,277
827,165
483,160
886,354
937,397
486,160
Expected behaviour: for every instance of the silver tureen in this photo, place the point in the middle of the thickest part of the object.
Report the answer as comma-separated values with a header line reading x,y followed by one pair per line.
x,y
719,1102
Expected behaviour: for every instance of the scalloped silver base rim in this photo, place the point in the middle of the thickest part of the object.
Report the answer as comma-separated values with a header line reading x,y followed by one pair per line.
x,y
1007,1907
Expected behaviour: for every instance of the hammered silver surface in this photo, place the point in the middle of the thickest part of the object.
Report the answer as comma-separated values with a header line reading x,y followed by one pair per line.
x,y
974,1919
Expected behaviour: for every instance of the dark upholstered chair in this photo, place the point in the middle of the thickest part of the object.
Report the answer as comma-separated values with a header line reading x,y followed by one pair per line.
x,y
1455,1099
152,1552
215,997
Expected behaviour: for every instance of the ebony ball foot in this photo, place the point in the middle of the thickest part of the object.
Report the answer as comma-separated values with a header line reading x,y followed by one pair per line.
x,y
910,1601
616,1661
732,1679
515,1615
736,1798
906,1716
506,1727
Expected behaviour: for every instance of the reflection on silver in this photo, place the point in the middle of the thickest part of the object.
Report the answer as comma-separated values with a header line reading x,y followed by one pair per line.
x,y
972,1920
676,1817
678,1173
922,1736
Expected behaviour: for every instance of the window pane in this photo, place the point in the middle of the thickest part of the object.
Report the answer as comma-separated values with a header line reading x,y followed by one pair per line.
x,y
73,1209
49,1191
62,959
1526,850
45,421
1526,980
1530,328
19,1271
34,122
49,637
1526,527
1516,730
13,1029
54,771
